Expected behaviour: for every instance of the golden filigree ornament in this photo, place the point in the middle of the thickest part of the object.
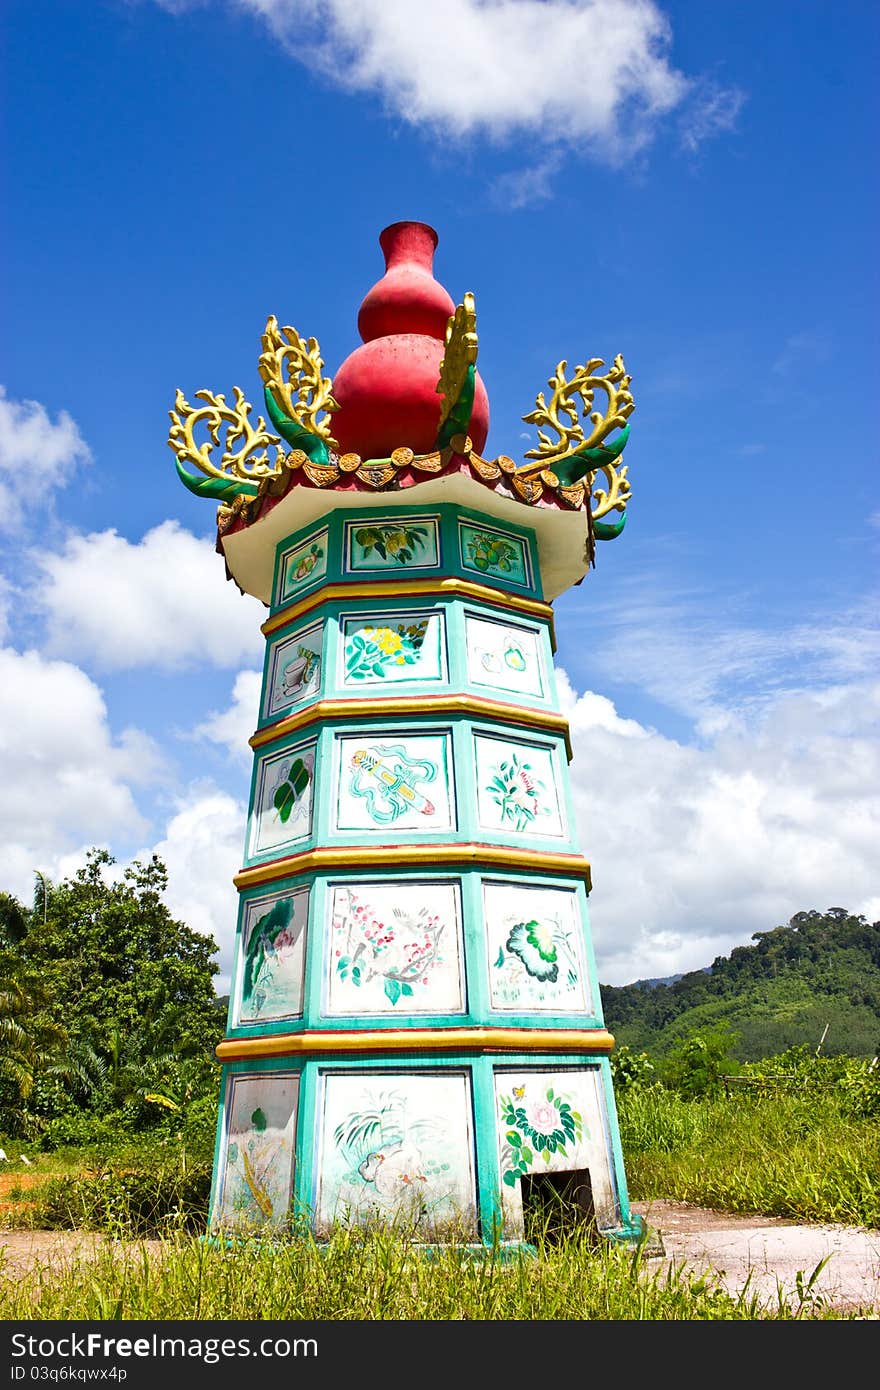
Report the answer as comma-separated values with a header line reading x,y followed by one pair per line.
x,y
459,355
248,463
291,369
561,414
613,498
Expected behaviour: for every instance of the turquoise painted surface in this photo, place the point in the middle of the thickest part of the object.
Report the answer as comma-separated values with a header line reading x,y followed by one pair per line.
x,y
393,542
393,647
294,670
364,647
257,1152
271,950
408,1137
513,950
402,542
494,553
304,565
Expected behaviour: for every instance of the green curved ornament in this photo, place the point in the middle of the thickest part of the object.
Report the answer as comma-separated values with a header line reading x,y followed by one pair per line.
x,y
576,466
222,489
459,417
293,432
608,530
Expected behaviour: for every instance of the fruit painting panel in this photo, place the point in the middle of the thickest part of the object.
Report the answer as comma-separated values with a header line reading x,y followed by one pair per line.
x,y
303,566
535,948
272,956
553,1122
517,788
294,670
282,811
395,949
496,553
395,780
504,656
392,648
409,542
399,1147
257,1162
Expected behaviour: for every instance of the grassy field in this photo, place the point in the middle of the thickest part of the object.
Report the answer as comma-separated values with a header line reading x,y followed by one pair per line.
x,y
800,1154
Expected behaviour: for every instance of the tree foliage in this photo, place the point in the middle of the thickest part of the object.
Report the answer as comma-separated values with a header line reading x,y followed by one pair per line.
x,y
818,975
123,991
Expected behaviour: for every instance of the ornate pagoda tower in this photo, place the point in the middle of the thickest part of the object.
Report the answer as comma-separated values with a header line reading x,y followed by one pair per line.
x,y
415,1031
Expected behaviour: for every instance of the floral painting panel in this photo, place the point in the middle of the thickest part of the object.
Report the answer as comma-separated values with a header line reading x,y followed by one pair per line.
x,y
303,565
257,1173
534,944
398,1147
504,656
282,811
407,543
272,957
517,789
395,780
392,648
395,949
553,1122
496,553
295,670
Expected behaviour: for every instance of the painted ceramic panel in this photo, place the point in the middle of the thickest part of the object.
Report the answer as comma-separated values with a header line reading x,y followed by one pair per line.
x,y
534,946
495,553
396,780
410,542
553,1122
396,948
504,656
397,1147
517,789
303,565
257,1171
389,648
282,812
294,670
272,953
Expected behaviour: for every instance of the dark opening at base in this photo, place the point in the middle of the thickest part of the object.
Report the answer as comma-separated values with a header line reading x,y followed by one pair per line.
x,y
557,1206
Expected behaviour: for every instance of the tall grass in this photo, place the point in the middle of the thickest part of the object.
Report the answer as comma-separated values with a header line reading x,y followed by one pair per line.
x,y
375,1276
781,1154
811,1153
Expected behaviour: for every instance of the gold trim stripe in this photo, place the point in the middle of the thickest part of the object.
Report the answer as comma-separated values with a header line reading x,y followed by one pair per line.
x,y
592,1040
397,588
474,705
331,857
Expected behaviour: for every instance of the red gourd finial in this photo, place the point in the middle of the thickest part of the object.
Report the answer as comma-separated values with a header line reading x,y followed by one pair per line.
x,y
387,388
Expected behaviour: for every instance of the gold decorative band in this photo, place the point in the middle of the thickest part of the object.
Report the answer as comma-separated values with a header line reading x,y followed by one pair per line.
x,y
473,705
589,1040
328,858
450,587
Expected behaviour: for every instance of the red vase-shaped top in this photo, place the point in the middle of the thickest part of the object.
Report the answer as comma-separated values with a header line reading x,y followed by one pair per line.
x,y
387,388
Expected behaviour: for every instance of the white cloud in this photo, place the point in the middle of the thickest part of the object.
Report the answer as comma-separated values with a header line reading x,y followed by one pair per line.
x,y
163,602
693,849
523,188
670,643
233,726
712,111
66,779
202,849
36,455
580,70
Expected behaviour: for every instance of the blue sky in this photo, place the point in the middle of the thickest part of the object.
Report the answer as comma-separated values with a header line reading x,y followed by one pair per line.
x,y
690,185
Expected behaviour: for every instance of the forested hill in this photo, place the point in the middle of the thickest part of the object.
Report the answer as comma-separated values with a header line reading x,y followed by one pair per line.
x,y
819,975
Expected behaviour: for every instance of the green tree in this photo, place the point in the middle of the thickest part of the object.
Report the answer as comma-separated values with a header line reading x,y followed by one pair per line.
x,y
128,986
695,1068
